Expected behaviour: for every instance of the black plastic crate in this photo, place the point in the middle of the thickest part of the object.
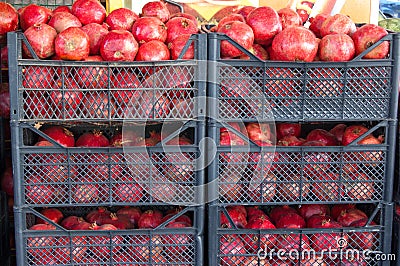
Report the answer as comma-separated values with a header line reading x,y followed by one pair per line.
x,y
396,234
292,246
4,230
60,176
58,246
297,91
46,3
54,90
253,174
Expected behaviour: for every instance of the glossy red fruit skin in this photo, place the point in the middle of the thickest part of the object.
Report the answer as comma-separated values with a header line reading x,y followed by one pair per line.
x,y
308,210
146,29
336,47
289,17
41,37
232,245
238,218
338,23
178,26
62,9
352,132
327,138
245,11
229,18
177,45
338,131
92,139
347,217
34,14
153,51
121,19
290,220
278,211
150,219
254,242
96,33
337,209
288,129
53,214
239,32
265,23
89,11
72,44
156,9
119,45
63,20
295,44
8,18
367,35
60,134
316,23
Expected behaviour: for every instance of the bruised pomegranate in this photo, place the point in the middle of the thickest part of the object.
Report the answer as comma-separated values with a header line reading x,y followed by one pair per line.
x,y
34,14
41,37
96,33
89,11
121,19
295,43
63,20
8,18
239,32
60,134
72,44
146,29
119,45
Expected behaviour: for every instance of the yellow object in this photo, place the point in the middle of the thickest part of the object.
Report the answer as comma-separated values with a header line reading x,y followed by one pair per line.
x,y
113,4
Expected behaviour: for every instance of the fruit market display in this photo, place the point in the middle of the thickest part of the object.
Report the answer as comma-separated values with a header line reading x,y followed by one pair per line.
x,y
91,193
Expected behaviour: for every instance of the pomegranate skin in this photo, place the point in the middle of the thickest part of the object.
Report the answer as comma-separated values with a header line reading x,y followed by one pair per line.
x,y
119,45
8,18
72,44
89,11
41,37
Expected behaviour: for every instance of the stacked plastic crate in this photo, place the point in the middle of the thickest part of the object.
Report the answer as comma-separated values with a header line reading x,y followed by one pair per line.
x,y
132,98
247,173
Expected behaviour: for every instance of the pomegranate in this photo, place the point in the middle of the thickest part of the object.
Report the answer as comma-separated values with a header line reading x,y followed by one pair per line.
x,y
92,139
41,37
245,11
63,20
295,43
92,77
358,186
143,246
316,23
8,18
347,217
293,186
38,191
89,11
72,44
133,213
98,215
325,241
182,219
70,222
288,129
156,9
230,187
176,245
7,182
5,102
62,8
178,167
34,14
187,15
150,104
127,191
264,185
127,83
38,77
86,193
96,33
229,18
149,28
352,132
60,134
258,51
317,161
40,246
338,23
290,220
322,135
337,209
278,211
121,222
178,26
367,35
254,212
98,105
150,219
290,242
53,214
4,56
121,19
118,45
66,97
177,45
265,23
239,218
317,219
239,32
336,47
289,17
327,186
105,244
290,141
255,242
153,50
308,210
232,250
363,240
338,131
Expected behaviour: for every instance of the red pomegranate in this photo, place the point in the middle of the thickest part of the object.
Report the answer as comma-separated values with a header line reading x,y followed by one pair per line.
x,y
336,47
41,37
121,19
63,20
239,32
258,50
96,33
255,242
66,101
295,44
178,26
8,18
92,139
92,77
133,213
232,250
289,17
185,15
33,14
150,219
316,23
72,44
89,11
119,45
153,51
229,18
176,244
308,210
338,23
367,35
53,214
245,11
62,8
149,28
265,23
319,134
177,45
156,9
60,134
